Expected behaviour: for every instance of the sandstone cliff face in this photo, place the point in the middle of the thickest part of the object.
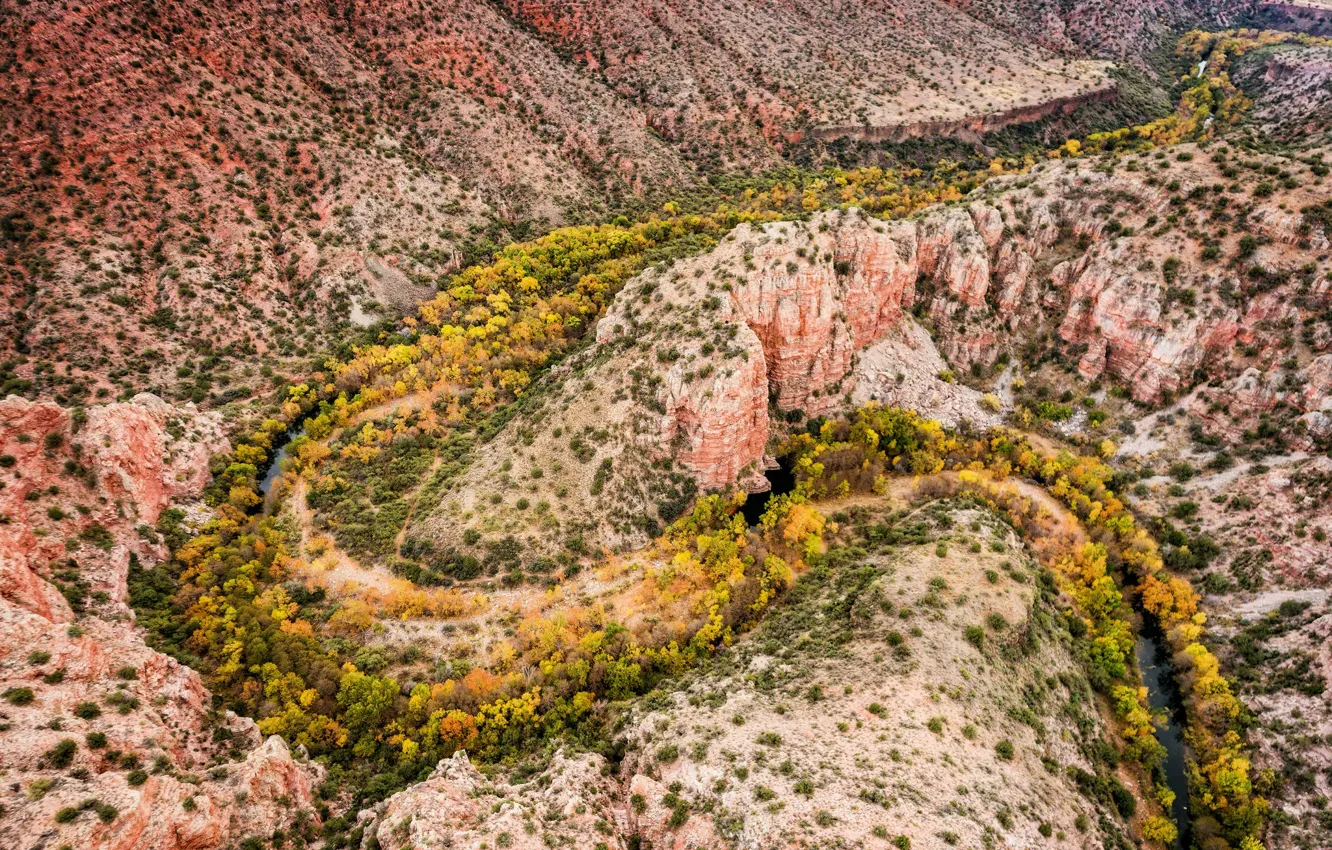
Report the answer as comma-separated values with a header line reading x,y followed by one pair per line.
x,y
799,302
1067,259
80,496
815,300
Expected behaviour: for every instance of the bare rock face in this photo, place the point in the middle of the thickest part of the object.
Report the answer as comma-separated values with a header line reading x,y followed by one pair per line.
x,y
905,370
812,317
718,425
803,304
571,803
80,497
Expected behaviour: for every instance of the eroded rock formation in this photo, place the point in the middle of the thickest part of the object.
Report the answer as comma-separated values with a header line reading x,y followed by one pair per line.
x,y
80,496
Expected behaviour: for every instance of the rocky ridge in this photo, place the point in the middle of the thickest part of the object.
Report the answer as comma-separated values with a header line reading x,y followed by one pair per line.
x,y
1111,274
881,721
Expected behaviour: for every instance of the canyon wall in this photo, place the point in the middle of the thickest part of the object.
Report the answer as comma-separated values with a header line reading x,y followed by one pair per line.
x,y
81,495
970,128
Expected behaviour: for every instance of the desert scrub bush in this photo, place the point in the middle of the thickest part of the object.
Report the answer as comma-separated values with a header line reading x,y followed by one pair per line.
x,y
804,787
668,753
935,725
975,636
62,754
770,739
18,696
902,842
763,793
87,710
1004,749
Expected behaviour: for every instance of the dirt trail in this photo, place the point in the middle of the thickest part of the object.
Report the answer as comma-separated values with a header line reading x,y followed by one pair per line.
x,y
336,567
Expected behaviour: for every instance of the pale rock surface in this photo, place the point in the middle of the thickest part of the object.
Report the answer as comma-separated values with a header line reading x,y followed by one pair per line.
x,y
570,802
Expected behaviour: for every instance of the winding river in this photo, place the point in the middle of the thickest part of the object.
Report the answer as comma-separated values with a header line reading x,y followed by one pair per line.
x,y
1163,697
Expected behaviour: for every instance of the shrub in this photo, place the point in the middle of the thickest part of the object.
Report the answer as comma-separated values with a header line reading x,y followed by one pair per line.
x,y
976,636
67,814
95,740
770,739
1123,799
18,696
1005,750
87,710
902,842
62,754
668,753
137,777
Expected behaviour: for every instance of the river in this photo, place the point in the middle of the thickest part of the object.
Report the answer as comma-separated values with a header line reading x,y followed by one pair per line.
x,y
782,481
274,468
1163,697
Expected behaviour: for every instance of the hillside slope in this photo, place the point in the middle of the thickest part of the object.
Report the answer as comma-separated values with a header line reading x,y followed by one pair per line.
x,y
185,186
862,710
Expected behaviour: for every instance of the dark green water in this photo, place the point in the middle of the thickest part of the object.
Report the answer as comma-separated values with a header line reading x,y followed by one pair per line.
x,y
1163,697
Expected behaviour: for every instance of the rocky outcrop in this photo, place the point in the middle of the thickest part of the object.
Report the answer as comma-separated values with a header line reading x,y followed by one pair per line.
x,y
718,425
572,799
80,497
802,304
821,296
1043,262
120,463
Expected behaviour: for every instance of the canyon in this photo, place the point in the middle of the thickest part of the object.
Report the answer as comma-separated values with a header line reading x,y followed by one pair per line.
x,y
805,317
626,424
